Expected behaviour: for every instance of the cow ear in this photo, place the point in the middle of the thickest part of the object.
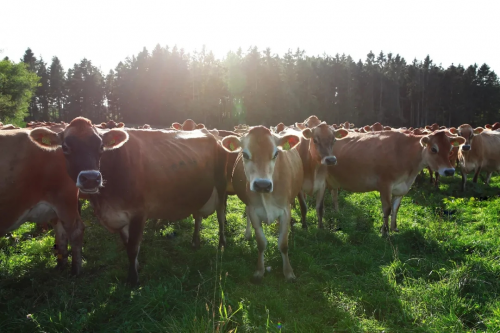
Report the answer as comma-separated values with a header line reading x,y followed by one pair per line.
x,y
457,141
478,130
120,125
287,142
177,126
300,126
200,126
424,141
45,138
307,133
113,139
453,130
341,133
427,127
231,143
367,128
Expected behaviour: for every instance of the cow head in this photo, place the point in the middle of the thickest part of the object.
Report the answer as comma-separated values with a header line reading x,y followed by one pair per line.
x,y
82,146
438,147
188,125
467,132
322,139
260,149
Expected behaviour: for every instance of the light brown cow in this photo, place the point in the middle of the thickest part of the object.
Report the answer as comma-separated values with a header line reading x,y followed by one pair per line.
x,y
148,174
188,125
267,179
35,187
315,149
481,152
388,162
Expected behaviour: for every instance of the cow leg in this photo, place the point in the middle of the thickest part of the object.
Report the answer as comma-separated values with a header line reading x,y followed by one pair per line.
x,y
283,244
476,175
335,199
195,243
396,202
303,209
488,178
221,217
385,197
61,247
464,178
248,230
261,244
320,198
133,234
76,241
431,174
436,174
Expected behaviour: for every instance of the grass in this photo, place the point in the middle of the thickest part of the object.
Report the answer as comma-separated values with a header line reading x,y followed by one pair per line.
x,y
440,273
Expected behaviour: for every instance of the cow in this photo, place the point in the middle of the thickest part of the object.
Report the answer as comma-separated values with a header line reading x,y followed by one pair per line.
x,y
110,125
267,177
8,127
187,125
131,175
388,162
35,187
481,152
315,150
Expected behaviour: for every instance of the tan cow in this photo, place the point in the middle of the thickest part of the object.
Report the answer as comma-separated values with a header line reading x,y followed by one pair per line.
x,y
315,149
188,125
267,178
481,152
388,162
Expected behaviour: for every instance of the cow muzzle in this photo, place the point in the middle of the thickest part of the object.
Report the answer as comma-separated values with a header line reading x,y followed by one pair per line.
x,y
329,160
89,181
466,147
262,185
447,172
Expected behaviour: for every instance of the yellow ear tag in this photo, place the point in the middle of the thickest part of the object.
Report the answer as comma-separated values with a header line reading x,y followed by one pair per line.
x,y
455,144
286,146
338,135
46,141
231,146
112,142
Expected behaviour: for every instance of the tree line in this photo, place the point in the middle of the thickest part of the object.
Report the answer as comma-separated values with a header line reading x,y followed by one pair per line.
x,y
259,87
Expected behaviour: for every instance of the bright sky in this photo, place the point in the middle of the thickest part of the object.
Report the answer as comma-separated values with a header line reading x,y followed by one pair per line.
x,y
107,31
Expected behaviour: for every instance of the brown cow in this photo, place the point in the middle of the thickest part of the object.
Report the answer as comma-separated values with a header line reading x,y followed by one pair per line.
x,y
388,162
188,125
148,174
35,187
267,178
315,149
481,152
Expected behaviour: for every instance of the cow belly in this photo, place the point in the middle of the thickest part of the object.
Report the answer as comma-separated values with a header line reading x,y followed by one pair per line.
x,y
211,205
39,213
113,219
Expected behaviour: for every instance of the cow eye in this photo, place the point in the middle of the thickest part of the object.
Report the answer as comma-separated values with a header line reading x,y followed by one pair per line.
x,y
245,156
66,149
434,150
276,154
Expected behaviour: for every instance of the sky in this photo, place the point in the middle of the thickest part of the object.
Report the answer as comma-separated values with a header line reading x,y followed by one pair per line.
x,y
108,31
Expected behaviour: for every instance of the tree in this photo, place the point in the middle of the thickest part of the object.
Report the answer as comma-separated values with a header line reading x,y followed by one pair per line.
x,y
56,88
17,85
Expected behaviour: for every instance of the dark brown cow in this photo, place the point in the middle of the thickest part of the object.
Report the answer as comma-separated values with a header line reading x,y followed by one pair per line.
x,y
481,152
148,174
388,162
35,187
267,179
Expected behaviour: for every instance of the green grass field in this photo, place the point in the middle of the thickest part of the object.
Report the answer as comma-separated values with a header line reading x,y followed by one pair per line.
x,y
440,273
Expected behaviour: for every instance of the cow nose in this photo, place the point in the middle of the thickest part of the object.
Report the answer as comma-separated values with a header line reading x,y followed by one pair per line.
x,y
449,172
89,179
330,160
263,185
466,147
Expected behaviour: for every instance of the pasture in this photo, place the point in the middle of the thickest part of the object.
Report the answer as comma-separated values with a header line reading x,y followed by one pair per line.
x,y
440,273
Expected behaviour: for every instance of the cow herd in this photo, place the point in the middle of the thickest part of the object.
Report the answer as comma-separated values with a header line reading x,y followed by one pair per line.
x,y
132,174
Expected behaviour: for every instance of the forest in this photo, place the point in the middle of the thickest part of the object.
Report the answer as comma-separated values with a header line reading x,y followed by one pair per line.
x,y
165,85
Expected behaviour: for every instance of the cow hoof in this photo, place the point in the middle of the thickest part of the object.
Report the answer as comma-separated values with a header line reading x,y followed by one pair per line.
x,y
384,232
291,278
304,226
395,230
321,226
195,246
257,278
